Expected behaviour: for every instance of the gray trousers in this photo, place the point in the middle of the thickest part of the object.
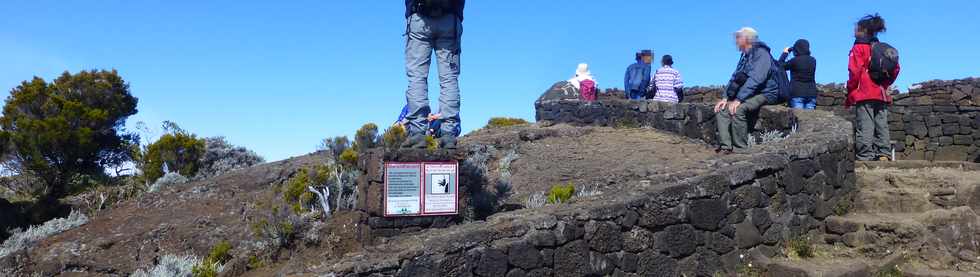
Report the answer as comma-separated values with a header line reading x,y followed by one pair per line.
x,y
871,137
733,130
425,35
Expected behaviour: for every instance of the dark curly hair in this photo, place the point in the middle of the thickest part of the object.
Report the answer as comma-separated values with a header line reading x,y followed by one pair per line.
x,y
872,24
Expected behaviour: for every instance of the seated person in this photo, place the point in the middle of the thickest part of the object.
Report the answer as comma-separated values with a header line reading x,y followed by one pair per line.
x,y
667,83
750,88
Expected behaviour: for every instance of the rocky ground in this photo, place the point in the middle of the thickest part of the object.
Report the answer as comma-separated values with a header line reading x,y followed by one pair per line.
x,y
538,157
909,219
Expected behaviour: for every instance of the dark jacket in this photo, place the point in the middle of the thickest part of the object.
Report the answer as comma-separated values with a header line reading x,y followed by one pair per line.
x,y
803,68
459,8
751,76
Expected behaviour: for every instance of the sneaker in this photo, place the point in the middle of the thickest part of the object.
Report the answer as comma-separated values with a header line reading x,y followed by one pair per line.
x,y
447,142
415,141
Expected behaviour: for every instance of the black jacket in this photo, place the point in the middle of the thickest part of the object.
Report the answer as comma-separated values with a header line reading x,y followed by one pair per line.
x,y
803,68
459,8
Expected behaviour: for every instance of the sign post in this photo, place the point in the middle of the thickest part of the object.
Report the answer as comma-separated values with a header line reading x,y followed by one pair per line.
x,y
421,189
402,196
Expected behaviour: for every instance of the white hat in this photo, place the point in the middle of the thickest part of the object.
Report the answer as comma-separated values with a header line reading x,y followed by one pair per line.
x,y
583,70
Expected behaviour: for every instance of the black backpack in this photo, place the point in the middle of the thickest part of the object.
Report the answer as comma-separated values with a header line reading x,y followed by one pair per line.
x,y
884,60
435,8
777,72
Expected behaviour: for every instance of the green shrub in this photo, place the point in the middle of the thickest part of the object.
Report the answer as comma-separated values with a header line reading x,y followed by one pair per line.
x,y
561,193
366,137
254,262
180,150
219,253
800,247
891,271
349,157
394,136
205,269
218,256
498,122
295,192
842,207
431,143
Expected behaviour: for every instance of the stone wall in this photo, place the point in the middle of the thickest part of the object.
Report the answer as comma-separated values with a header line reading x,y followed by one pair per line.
x,y
699,226
935,120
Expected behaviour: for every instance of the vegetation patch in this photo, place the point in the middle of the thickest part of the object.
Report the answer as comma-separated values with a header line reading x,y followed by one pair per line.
x,y
800,247
394,136
561,193
499,122
27,239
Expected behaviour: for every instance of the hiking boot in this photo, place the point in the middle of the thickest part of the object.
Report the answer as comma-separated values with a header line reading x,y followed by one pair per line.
x,y
724,152
415,141
447,142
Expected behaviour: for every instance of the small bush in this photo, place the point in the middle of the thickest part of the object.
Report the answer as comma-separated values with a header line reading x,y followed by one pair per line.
x,y
366,137
842,207
213,263
295,188
171,266
335,146
254,262
800,248
221,157
498,122
219,253
394,136
170,179
179,150
349,157
891,271
536,200
431,143
34,234
561,193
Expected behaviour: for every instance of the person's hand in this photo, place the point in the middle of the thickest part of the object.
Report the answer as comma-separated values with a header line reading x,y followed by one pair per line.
x,y
733,106
787,50
721,104
434,117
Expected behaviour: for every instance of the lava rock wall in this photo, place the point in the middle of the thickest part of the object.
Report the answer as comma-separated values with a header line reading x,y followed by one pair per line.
x,y
935,120
699,226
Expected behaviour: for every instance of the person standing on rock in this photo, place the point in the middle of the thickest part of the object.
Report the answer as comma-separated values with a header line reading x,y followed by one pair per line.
x,y
638,76
667,84
433,26
750,87
869,96
802,68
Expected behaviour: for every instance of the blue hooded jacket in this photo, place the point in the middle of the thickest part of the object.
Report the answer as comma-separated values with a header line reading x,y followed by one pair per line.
x,y
637,78
752,76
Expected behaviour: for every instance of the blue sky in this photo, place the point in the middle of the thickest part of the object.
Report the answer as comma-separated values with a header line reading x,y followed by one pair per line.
x,y
279,77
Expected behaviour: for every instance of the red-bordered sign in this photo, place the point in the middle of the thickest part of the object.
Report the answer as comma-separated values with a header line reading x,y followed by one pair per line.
x,y
421,189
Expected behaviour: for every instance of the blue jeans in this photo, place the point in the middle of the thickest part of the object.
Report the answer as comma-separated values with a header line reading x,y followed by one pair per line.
x,y
805,102
425,36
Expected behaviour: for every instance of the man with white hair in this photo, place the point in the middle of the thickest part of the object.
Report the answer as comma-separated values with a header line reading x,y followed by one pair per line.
x,y
751,87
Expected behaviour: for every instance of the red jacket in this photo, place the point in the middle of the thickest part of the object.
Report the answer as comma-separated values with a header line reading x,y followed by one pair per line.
x,y
860,87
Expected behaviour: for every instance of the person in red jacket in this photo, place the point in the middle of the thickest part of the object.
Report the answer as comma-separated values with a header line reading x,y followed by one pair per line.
x,y
870,99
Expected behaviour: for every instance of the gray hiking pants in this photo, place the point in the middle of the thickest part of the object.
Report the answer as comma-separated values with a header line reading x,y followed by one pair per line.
x,y
733,130
871,137
425,35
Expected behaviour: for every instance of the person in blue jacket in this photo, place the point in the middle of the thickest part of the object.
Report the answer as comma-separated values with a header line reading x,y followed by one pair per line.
x,y
638,76
750,88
